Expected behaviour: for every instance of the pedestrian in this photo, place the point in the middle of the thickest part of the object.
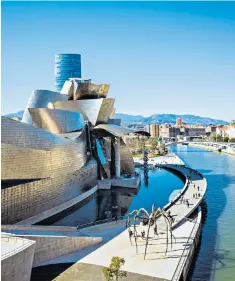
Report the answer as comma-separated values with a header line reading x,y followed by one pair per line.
x,y
199,195
193,195
116,218
198,188
187,203
126,223
155,230
143,234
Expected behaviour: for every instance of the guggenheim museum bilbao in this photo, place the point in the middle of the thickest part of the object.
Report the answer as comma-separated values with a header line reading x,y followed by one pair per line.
x,y
66,142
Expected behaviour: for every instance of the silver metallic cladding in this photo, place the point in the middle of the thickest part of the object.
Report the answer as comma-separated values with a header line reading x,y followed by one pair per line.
x,y
57,121
95,110
29,152
41,99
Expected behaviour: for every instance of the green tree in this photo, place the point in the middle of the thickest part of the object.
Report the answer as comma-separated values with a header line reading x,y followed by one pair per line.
x,y
113,271
226,139
153,144
212,137
219,138
232,140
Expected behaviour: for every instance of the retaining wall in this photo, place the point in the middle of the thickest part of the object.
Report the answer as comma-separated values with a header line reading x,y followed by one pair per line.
x,y
17,265
49,247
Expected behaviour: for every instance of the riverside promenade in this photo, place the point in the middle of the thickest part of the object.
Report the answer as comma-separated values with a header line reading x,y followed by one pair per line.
x,y
228,148
161,262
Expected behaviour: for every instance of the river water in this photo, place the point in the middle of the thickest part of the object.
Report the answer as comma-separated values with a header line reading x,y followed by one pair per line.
x,y
215,260
216,257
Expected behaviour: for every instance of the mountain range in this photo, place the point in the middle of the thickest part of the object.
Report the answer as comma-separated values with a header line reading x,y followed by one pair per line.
x,y
168,118
153,119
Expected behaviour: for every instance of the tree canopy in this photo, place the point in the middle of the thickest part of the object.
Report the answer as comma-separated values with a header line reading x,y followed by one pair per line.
x,y
113,271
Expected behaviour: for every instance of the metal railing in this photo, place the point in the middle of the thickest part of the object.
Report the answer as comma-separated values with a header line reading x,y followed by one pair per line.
x,y
101,221
183,256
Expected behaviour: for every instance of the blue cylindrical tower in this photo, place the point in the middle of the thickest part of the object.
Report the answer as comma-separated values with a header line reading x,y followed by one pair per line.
x,y
66,66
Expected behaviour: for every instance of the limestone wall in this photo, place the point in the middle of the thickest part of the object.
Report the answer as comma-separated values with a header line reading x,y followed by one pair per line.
x,y
16,265
49,247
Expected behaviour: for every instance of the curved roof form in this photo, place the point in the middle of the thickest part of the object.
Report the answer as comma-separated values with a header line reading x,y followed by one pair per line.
x,y
97,111
41,99
57,121
117,131
77,89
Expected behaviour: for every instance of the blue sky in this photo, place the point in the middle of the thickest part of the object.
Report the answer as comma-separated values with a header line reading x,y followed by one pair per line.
x,y
159,57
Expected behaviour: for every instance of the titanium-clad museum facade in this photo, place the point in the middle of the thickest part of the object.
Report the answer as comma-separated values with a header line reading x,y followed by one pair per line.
x,y
66,142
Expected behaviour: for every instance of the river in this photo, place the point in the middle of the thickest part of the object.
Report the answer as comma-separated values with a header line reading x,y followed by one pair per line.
x,y
216,258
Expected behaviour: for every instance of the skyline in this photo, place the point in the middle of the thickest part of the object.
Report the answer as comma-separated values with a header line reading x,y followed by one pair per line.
x,y
181,50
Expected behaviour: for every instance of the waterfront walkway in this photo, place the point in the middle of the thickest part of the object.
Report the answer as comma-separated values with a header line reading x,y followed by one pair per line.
x,y
159,263
228,148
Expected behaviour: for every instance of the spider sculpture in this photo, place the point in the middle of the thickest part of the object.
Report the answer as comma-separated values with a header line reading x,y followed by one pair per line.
x,y
152,222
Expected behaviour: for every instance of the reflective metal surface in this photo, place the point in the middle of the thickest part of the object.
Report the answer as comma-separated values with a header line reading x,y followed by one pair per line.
x,y
127,162
57,121
115,130
41,99
90,91
77,89
33,153
95,110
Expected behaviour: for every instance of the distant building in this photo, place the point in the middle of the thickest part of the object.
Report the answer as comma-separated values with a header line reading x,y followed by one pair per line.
x,y
222,130
153,129
231,131
179,122
168,132
211,129
66,66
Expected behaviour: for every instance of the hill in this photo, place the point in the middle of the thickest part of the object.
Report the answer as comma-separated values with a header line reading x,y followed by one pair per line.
x,y
168,118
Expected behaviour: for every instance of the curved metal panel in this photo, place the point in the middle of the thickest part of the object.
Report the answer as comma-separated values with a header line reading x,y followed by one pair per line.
x,y
105,111
41,99
57,121
77,88
127,162
90,91
115,130
113,112
71,105
29,152
95,110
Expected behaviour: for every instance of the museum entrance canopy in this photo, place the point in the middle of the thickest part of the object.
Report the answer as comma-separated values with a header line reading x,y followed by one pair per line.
x,y
105,130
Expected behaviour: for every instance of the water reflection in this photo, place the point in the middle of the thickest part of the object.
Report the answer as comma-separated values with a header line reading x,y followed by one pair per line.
x,y
119,201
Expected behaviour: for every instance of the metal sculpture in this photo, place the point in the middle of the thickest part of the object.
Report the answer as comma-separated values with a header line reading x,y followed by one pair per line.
x,y
146,169
152,222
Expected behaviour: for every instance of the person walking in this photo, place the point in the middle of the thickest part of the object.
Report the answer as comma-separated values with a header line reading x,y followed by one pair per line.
x,y
187,203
